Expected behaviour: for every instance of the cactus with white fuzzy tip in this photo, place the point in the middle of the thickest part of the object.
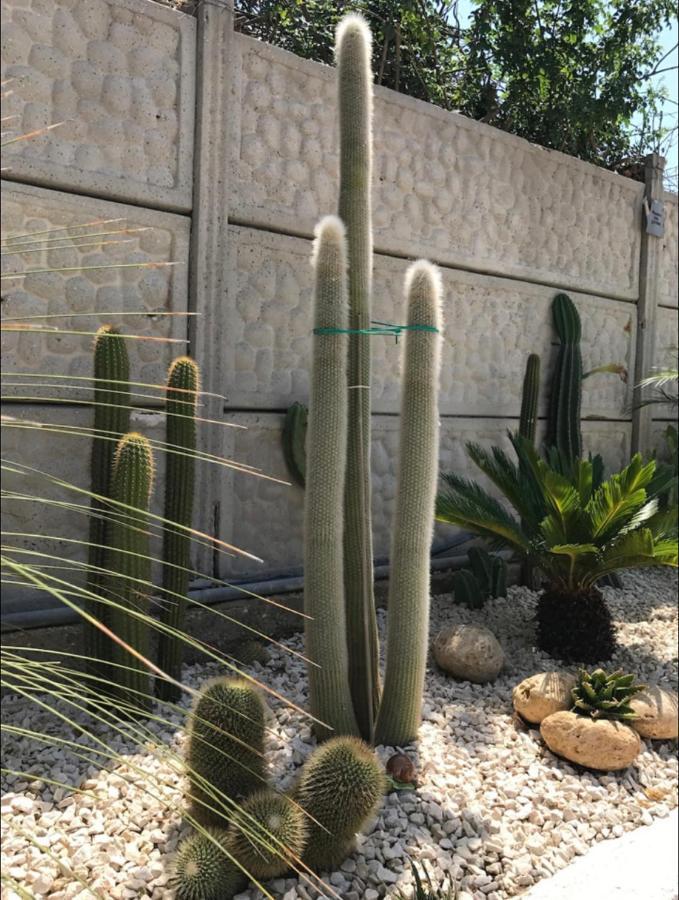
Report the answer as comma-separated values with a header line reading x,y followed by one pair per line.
x,y
353,54
408,604
330,696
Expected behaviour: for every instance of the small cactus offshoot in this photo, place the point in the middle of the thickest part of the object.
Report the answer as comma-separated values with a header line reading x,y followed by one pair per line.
x,y
225,748
341,788
269,834
603,696
203,871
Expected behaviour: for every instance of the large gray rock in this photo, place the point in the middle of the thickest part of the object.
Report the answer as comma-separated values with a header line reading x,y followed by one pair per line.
x,y
539,696
594,743
469,652
657,712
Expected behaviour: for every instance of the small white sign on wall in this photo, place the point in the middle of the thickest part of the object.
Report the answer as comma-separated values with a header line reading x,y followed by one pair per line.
x,y
655,218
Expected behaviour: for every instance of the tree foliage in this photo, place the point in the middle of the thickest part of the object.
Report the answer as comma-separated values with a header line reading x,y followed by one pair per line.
x,y
572,75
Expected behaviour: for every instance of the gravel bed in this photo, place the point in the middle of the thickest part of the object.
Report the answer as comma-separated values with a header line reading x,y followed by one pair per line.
x,y
494,812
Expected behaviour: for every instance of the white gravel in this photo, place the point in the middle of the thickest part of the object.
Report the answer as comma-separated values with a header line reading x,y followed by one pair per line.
x,y
494,812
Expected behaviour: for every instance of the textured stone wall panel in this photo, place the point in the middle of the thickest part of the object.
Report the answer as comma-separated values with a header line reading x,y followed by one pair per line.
x,y
119,77
265,518
63,454
669,267
156,238
492,325
445,187
667,338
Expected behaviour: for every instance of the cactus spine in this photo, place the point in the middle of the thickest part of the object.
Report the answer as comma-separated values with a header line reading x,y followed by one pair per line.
x,y
203,871
529,399
326,640
294,442
408,604
181,398
269,834
566,399
129,562
111,422
225,761
341,787
353,53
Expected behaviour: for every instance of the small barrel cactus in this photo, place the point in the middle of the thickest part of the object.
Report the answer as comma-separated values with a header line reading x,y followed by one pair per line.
x,y
341,788
203,871
269,834
225,756
603,696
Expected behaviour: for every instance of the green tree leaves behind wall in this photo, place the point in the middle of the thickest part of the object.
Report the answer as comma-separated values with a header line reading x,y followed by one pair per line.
x,y
572,75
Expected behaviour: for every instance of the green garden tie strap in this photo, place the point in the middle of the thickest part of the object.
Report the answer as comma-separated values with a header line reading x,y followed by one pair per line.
x,y
379,328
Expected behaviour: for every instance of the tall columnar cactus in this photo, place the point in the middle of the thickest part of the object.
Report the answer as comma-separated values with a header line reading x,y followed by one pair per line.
x,y
566,398
324,597
111,422
294,442
529,399
341,787
269,834
181,396
128,561
353,53
225,760
408,604
204,871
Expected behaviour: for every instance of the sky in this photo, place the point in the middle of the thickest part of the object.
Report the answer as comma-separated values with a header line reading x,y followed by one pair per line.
x,y
668,40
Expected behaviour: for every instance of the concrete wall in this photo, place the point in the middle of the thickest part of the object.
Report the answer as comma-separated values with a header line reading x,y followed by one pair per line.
x,y
510,224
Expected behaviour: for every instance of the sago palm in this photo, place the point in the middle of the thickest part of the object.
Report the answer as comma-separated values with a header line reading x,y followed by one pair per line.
x,y
575,531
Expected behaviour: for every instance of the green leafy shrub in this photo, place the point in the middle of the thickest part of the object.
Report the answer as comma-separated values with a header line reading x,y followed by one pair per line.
x,y
575,533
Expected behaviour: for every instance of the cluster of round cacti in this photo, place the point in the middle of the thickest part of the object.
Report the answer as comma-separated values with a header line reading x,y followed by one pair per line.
x,y
245,826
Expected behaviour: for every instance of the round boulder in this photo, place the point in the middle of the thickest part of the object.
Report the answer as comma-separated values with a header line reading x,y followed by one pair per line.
x,y
657,712
541,695
469,652
594,743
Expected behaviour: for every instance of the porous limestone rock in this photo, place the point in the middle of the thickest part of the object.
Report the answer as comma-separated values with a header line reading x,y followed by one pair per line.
x,y
657,712
539,696
594,743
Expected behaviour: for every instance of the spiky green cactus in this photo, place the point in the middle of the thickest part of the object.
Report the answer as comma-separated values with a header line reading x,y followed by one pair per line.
x,y
603,696
111,422
324,597
408,604
269,834
467,590
128,561
183,384
294,442
225,754
203,871
566,398
353,53
529,399
341,787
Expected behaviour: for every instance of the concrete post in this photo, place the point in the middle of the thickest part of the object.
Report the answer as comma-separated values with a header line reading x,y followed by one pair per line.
x,y
209,256
649,269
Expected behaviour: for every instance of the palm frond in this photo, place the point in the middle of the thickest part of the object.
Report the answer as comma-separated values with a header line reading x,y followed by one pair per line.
x,y
469,506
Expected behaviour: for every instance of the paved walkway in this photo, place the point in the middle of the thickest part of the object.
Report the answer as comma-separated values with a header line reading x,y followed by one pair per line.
x,y
641,865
